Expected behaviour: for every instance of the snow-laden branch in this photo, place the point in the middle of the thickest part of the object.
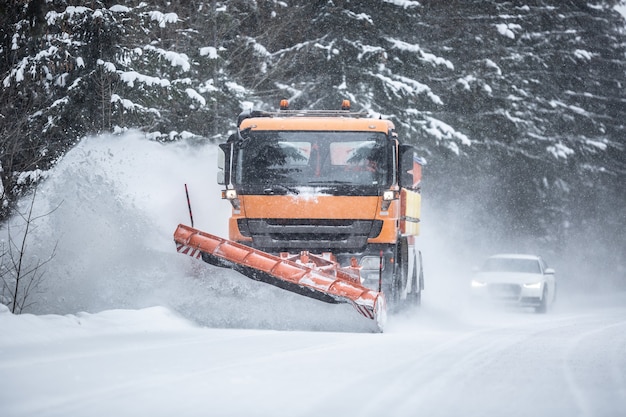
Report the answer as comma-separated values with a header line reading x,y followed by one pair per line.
x,y
163,18
176,59
423,56
443,132
405,4
400,85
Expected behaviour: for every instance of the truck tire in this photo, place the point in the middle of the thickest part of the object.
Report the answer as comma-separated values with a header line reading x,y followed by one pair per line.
x,y
400,277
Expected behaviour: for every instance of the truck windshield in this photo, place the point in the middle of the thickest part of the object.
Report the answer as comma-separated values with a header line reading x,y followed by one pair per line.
x,y
313,158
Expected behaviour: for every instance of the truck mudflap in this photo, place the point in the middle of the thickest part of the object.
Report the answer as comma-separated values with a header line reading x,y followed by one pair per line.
x,y
308,275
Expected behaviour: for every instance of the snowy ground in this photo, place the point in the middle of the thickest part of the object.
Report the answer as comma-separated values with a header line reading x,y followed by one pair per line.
x,y
124,326
153,362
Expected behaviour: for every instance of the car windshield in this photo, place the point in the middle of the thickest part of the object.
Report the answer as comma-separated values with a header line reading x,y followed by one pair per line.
x,y
530,266
312,158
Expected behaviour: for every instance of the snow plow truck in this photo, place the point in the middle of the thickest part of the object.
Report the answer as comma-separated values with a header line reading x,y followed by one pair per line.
x,y
325,204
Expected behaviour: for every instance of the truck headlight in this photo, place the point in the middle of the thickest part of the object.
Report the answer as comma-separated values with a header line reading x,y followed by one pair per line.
x,y
478,284
230,194
533,285
389,195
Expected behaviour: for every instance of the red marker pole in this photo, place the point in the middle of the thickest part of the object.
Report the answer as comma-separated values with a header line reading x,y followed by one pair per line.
x,y
189,205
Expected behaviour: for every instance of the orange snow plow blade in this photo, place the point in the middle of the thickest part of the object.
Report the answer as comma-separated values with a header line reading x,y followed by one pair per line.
x,y
307,275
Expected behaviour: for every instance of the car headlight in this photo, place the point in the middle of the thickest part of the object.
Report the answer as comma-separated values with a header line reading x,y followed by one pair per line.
x,y
478,284
534,285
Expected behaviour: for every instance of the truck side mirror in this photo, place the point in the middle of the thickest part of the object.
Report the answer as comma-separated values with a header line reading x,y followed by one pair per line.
x,y
223,164
410,167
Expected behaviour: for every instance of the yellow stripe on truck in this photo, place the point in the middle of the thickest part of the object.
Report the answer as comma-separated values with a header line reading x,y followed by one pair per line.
x,y
410,212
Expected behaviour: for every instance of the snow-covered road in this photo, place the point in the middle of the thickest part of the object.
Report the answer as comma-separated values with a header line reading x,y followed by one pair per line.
x,y
152,362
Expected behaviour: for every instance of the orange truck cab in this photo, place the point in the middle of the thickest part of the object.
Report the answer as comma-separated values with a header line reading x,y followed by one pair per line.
x,y
334,182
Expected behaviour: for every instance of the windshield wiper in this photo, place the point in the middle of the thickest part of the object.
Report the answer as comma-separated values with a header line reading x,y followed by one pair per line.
x,y
331,182
281,189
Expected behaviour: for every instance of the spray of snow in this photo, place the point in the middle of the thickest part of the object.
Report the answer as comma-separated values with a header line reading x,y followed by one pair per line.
x,y
114,203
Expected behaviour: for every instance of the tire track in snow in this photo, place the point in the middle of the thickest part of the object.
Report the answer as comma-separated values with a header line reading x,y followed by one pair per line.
x,y
579,356
238,366
494,355
392,396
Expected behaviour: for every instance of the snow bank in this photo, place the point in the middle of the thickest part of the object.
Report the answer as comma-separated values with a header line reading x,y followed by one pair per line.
x,y
30,329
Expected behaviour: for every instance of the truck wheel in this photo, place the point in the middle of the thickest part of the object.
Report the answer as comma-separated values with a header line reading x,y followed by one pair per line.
x,y
400,278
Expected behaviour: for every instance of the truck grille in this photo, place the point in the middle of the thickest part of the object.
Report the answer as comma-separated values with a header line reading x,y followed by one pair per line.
x,y
309,234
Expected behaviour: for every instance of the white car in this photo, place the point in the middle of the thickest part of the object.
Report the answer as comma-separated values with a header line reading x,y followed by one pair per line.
x,y
523,280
